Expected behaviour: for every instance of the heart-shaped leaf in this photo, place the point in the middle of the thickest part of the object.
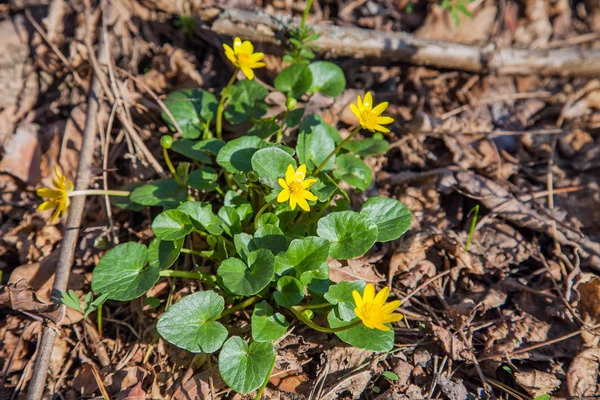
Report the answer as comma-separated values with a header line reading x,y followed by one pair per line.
x,y
162,192
241,205
190,108
367,147
268,237
294,80
198,150
232,223
245,368
237,154
204,178
242,241
341,294
189,323
290,291
266,326
392,217
246,100
354,171
362,337
303,255
123,274
264,128
351,234
270,164
163,253
327,78
248,279
202,216
172,225
315,143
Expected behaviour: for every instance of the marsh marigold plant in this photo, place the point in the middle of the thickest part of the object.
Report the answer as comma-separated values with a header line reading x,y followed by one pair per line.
x,y
370,117
295,188
58,197
242,55
373,311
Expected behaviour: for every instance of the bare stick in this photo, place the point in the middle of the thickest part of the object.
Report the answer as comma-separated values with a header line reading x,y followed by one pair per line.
x,y
67,251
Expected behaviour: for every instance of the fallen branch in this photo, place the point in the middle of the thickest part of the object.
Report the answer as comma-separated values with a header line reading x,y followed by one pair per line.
x,y
340,41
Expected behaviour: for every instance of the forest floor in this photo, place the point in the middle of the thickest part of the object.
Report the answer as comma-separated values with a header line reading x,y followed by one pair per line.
x,y
512,316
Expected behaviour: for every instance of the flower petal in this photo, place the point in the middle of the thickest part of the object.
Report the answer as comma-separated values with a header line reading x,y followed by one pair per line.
x,y
382,327
355,110
256,65
293,201
289,174
246,47
357,300
255,57
283,196
248,72
237,44
380,108
380,128
47,205
303,203
368,101
359,103
391,306
46,192
393,318
283,183
385,120
369,294
308,182
308,195
301,170
382,296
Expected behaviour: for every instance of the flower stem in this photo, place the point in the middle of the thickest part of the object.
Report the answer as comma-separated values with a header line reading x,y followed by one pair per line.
x,y
305,13
87,192
319,328
262,210
264,385
283,123
189,275
239,306
224,95
170,165
338,147
193,252
312,306
99,319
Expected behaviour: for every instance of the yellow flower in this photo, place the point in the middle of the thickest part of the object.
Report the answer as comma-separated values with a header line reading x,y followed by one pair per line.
x,y
373,311
370,118
58,197
243,56
295,188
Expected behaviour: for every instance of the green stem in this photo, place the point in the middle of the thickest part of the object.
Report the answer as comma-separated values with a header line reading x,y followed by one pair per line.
x,y
312,306
221,107
170,165
264,385
262,210
99,319
87,192
338,147
193,252
280,132
319,328
189,275
246,303
305,13
199,232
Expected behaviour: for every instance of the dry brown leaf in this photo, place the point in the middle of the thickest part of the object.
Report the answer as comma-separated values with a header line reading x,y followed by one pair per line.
x,y
412,251
451,389
134,393
199,386
582,377
507,336
353,272
590,298
343,360
536,382
453,346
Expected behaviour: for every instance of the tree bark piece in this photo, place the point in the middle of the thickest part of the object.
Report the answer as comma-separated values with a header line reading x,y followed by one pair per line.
x,y
261,27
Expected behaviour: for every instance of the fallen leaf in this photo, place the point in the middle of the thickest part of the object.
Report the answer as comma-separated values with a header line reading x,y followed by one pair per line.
x,y
353,272
452,345
537,382
582,376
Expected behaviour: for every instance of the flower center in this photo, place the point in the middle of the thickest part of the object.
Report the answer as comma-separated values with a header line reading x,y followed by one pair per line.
x,y
243,58
296,187
371,312
369,118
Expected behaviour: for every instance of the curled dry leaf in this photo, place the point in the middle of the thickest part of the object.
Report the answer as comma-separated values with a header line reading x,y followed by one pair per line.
x,y
536,382
199,386
353,272
507,336
412,251
590,298
582,377
453,346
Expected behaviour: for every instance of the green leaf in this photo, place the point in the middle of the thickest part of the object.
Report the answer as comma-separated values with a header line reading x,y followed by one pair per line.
x,y
351,234
327,78
290,291
172,225
543,397
189,323
202,216
294,80
231,220
246,100
235,156
294,117
163,253
390,375
367,147
162,192
303,255
324,188
190,108
247,280
122,273
270,164
340,294
315,143
264,128
354,171
70,299
244,368
197,150
316,280
241,205
183,171
266,326
268,237
268,219
392,217
241,241
204,178
126,203
362,337
152,302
